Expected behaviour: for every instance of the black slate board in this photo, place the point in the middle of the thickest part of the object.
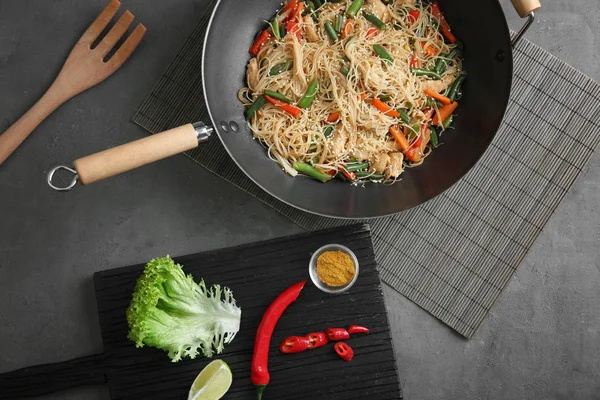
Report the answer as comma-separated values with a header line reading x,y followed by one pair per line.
x,y
256,273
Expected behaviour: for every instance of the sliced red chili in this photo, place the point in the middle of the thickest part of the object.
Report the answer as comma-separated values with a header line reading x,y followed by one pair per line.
x,y
316,340
344,351
336,334
353,329
260,41
294,344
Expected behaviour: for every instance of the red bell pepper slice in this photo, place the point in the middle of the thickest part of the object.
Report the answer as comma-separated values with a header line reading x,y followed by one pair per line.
x,y
260,41
413,16
290,9
316,340
344,351
294,28
354,329
294,344
414,62
444,26
336,334
371,32
295,111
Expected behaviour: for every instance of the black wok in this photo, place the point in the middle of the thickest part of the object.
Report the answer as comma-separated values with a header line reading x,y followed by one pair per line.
x,y
479,24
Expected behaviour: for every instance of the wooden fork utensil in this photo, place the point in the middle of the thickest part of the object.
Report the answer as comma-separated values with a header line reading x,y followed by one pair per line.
x,y
83,69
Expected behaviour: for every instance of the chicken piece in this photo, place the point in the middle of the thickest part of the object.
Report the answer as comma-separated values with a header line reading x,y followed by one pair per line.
x,y
310,30
409,2
379,163
380,10
252,73
426,138
395,167
339,143
438,86
360,155
298,58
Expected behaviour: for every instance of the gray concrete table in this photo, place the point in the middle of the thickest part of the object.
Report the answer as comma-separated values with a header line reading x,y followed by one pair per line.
x,y
541,340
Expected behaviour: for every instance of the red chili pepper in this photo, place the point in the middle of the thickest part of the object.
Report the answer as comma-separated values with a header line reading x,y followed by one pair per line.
x,y
294,344
316,340
344,351
260,359
336,334
260,41
413,16
353,329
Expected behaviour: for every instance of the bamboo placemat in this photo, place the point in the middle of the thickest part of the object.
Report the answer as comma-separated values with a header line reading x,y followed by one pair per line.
x,y
471,239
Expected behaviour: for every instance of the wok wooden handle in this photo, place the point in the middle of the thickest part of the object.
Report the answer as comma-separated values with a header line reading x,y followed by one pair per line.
x,y
526,7
97,167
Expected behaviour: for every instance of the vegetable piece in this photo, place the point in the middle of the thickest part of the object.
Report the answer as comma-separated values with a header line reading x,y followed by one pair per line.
x,y
434,95
434,137
444,26
310,94
347,28
349,175
374,20
371,32
443,113
354,329
442,63
311,171
413,16
334,116
275,28
316,340
279,68
399,138
297,15
331,32
289,10
328,132
414,62
384,97
384,108
171,312
264,37
295,111
354,8
455,88
382,53
430,51
426,72
448,122
339,23
363,96
344,351
294,344
261,101
277,96
356,166
335,334
344,70
294,28
260,359
370,175
404,116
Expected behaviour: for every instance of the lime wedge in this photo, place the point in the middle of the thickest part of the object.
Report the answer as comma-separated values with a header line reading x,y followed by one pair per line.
x,y
212,382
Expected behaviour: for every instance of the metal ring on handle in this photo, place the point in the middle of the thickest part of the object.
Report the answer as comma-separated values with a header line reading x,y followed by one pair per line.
x,y
519,35
67,188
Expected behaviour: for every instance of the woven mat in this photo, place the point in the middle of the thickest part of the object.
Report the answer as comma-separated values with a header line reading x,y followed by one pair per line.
x,y
471,239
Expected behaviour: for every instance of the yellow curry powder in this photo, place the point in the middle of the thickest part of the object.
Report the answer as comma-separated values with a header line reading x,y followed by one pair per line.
x,y
335,268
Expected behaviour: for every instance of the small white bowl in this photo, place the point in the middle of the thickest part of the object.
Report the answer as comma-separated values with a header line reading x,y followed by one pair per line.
x,y
314,276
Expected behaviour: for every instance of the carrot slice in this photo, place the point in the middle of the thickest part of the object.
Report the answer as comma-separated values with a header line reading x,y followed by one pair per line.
x,y
333,116
298,13
399,137
371,32
444,113
435,95
295,111
430,50
384,108
347,28
363,96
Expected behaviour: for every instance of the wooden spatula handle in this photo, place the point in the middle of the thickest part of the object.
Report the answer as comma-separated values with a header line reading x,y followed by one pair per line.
x,y
135,154
18,132
526,7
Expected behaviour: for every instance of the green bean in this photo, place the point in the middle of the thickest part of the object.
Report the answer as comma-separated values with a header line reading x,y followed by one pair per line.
x,y
408,106
442,62
277,96
448,121
346,59
311,171
279,68
426,72
356,167
275,27
384,97
331,32
404,116
339,23
318,4
311,93
434,137
283,30
414,131
382,53
354,7
255,107
345,70
375,21
367,174
328,132
454,89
